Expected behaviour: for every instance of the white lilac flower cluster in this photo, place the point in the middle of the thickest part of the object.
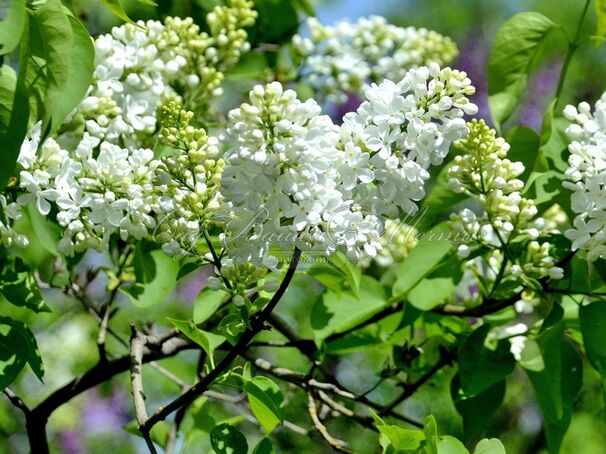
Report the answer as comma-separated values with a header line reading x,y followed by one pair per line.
x,y
485,173
400,131
291,170
346,57
586,174
98,189
280,176
139,66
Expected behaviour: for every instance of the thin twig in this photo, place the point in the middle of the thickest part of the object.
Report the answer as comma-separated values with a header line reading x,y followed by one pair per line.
x,y
445,359
303,381
102,333
137,344
335,444
16,401
256,325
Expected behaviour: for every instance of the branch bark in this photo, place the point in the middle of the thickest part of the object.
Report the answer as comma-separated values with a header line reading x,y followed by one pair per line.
x,y
137,344
256,325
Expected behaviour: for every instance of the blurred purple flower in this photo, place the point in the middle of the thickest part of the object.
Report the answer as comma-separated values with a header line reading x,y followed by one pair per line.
x,y
71,441
473,58
191,285
105,415
540,90
338,111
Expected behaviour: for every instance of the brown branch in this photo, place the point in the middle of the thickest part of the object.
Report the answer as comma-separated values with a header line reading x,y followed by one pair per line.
x,y
16,401
102,332
103,372
445,360
137,344
256,325
303,381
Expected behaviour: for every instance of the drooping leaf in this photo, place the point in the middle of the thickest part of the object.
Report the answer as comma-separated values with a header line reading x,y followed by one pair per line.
x,y
264,447
524,147
489,446
266,402
12,26
80,73
12,136
479,367
226,439
115,6
337,312
207,340
400,439
26,352
515,47
438,285
8,81
546,190
51,40
156,290
19,287
593,321
450,445
430,429
13,354
477,410
421,260
144,263
206,304
557,385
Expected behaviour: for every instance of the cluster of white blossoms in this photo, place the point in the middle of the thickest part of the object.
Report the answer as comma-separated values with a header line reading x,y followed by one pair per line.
x,y
98,189
346,57
485,173
139,66
280,178
401,130
292,173
586,173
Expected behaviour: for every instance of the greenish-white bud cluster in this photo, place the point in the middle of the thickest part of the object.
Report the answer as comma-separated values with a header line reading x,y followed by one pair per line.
x,y
187,182
245,279
397,240
484,172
